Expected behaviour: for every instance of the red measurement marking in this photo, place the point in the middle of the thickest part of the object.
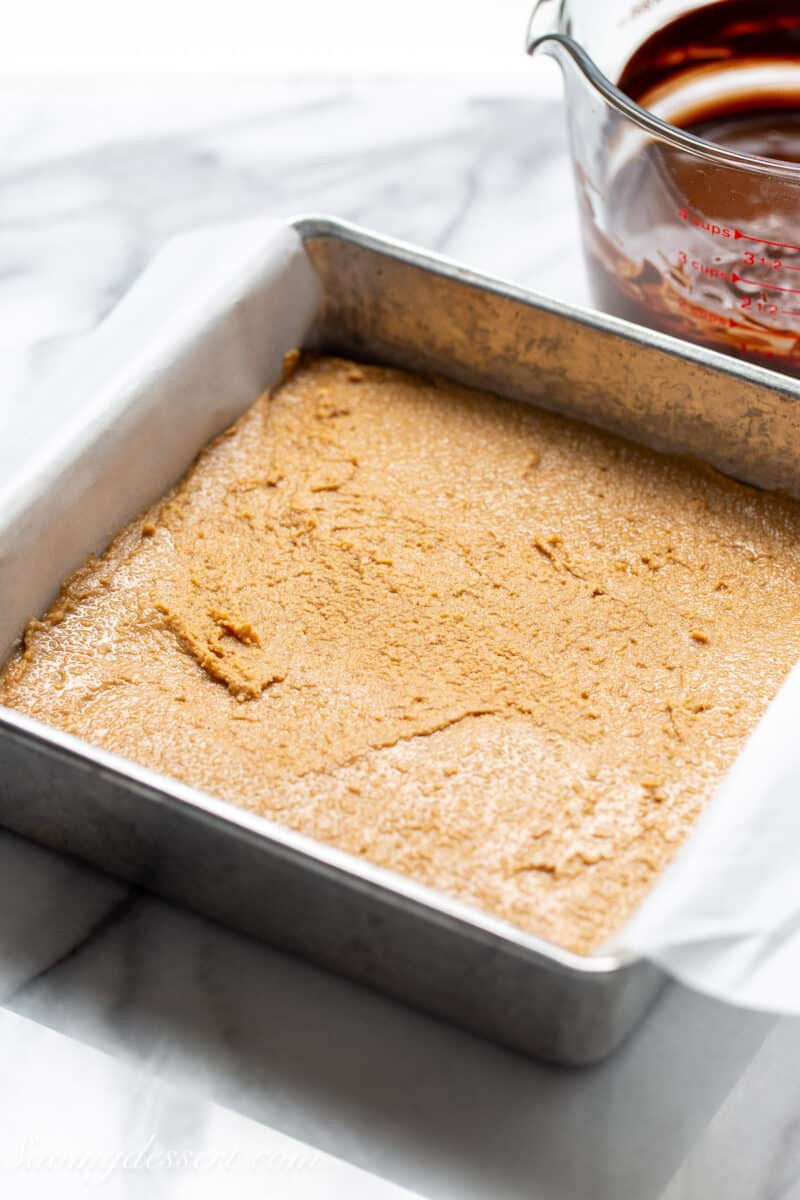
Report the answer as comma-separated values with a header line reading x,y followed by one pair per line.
x,y
737,233
790,312
701,223
772,287
787,267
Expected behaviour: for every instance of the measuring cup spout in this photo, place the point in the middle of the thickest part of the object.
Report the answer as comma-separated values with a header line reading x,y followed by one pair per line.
x,y
546,36
544,22
571,58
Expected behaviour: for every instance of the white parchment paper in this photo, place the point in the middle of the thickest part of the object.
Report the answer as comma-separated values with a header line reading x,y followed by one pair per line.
x,y
725,917
197,338
191,346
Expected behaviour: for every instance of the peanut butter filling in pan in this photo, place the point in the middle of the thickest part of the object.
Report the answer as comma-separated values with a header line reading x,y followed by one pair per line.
x,y
493,649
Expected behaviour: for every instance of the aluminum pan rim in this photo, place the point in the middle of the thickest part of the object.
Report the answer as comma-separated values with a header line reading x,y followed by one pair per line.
x,y
320,226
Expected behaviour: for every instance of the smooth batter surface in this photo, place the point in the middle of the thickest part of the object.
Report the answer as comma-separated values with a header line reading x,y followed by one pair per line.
x,y
485,646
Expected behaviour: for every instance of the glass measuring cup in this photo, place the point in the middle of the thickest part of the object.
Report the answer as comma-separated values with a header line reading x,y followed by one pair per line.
x,y
693,236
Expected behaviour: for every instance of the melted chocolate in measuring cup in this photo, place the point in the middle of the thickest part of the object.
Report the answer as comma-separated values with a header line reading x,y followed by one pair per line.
x,y
710,252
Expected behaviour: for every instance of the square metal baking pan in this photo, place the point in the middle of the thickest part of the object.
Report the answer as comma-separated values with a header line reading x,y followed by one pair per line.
x,y
374,299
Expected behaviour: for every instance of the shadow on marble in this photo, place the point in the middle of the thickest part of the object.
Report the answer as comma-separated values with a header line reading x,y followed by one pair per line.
x,y
347,1070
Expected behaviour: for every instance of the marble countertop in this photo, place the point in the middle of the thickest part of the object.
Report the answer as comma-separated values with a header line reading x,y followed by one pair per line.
x,y
218,1044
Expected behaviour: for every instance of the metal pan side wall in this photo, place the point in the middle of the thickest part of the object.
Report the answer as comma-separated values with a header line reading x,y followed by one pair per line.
x,y
117,818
